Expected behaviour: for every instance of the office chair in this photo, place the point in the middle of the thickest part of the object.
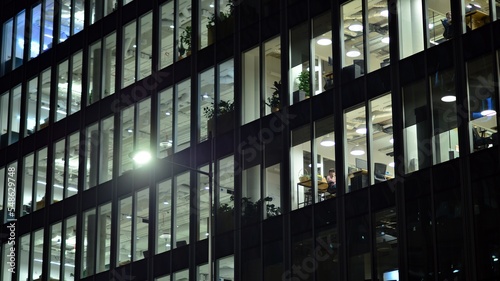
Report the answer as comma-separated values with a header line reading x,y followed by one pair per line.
x,y
379,173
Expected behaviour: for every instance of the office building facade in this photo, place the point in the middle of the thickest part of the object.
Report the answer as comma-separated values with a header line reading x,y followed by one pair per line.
x,y
142,139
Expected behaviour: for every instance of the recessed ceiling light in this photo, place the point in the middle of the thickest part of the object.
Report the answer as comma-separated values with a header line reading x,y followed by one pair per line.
x,y
356,26
324,41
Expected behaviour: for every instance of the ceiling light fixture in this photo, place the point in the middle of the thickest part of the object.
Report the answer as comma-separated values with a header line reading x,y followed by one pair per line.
x,y
141,157
384,13
327,141
324,41
449,98
353,52
355,26
357,150
361,129
385,39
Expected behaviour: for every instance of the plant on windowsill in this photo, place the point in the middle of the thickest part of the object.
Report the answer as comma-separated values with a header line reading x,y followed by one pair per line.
x,y
304,83
225,21
274,100
225,114
185,40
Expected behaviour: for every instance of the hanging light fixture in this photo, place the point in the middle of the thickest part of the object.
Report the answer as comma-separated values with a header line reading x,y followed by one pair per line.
x,y
356,26
324,41
361,129
357,150
353,52
327,141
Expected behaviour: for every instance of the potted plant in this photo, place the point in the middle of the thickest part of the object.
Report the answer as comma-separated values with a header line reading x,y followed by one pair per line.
x,y
274,100
304,89
225,114
225,22
185,39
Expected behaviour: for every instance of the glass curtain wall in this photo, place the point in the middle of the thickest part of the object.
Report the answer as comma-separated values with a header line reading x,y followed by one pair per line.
x,y
204,204
144,47
224,188
128,56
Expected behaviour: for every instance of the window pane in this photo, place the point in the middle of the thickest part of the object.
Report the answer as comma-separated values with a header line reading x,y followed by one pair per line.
x,y
482,103
356,132
206,98
41,179
303,175
108,63
251,87
299,72
59,174
272,68
36,19
444,115
27,184
164,217
48,25
184,30
95,59
125,222
141,225
23,258
106,150
76,83
325,149
37,254
15,115
69,247
322,53
32,107
129,54
183,114
411,34
62,90
225,213
103,238
204,204
88,243
378,35
416,132
358,249
92,152
6,58
353,45
167,34
44,97
182,209
19,37
55,251
144,47
4,119
381,150
127,129
386,242
65,16
165,115
73,164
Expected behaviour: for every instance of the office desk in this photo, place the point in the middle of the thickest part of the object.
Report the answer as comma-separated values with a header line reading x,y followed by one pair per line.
x,y
322,187
476,19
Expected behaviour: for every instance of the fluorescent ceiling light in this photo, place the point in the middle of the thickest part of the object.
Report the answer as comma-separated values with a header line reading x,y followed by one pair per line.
x,y
392,164
449,98
431,25
385,39
356,26
324,41
384,13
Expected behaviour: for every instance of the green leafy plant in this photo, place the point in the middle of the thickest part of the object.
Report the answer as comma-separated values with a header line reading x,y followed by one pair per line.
x,y
304,82
274,100
185,39
222,15
223,108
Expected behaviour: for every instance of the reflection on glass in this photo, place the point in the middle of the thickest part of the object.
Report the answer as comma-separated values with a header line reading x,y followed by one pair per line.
x,y
32,107
144,48
62,90
358,248
325,149
44,97
184,29
416,132
103,237
36,19
27,185
76,83
386,242
205,206
41,179
92,148
378,35
19,35
69,249
6,55
106,150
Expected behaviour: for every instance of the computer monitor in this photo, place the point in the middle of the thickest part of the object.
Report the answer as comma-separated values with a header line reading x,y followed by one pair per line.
x,y
380,169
